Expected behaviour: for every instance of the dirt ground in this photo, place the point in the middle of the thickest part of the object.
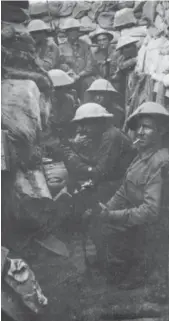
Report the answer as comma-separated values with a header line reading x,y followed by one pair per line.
x,y
79,293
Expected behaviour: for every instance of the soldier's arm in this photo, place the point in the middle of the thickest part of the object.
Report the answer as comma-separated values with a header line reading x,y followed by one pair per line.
x,y
148,211
108,155
90,66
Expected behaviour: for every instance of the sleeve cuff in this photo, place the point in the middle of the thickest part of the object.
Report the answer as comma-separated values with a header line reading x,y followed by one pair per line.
x,y
119,216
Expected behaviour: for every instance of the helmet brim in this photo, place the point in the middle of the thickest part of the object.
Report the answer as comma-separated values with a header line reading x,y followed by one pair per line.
x,y
94,117
40,30
96,91
94,37
71,28
132,120
134,41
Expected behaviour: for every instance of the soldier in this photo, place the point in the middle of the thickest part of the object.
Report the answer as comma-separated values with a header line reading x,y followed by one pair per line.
x,y
133,215
102,92
47,51
77,56
63,110
105,55
127,49
99,152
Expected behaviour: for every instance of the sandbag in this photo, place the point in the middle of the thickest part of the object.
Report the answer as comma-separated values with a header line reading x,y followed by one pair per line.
x,y
61,9
106,19
57,8
34,204
20,109
38,8
81,8
96,8
110,6
91,15
149,10
32,184
125,4
87,25
41,80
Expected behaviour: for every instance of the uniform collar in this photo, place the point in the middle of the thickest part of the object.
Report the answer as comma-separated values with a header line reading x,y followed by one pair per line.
x,y
147,154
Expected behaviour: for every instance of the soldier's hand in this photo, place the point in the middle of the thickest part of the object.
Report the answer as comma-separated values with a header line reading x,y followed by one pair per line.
x,y
104,210
76,77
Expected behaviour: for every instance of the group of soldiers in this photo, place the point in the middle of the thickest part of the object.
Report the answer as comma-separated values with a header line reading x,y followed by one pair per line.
x,y
86,132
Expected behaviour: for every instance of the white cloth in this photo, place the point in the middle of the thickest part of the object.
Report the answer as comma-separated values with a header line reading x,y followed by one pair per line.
x,y
153,58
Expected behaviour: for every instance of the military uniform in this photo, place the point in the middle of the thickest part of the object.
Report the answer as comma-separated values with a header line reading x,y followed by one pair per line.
x,y
128,236
47,51
137,204
63,111
103,160
78,58
101,69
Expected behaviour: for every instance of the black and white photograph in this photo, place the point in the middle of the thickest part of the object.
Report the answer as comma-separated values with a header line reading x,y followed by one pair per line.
x,y
84,160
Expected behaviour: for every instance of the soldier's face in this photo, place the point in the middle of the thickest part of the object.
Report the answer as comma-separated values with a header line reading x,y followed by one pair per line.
x,y
99,99
73,34
128,50
103,41
147,132
88,128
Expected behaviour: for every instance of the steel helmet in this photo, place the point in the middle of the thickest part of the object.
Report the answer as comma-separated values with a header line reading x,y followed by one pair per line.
x,y
101,85
71,23
37,25
100,31
60,78
91,110
124,41
148,108
124,17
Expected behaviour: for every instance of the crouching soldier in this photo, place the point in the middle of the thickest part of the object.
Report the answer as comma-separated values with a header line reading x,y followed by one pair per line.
x,y
129,231
100,152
